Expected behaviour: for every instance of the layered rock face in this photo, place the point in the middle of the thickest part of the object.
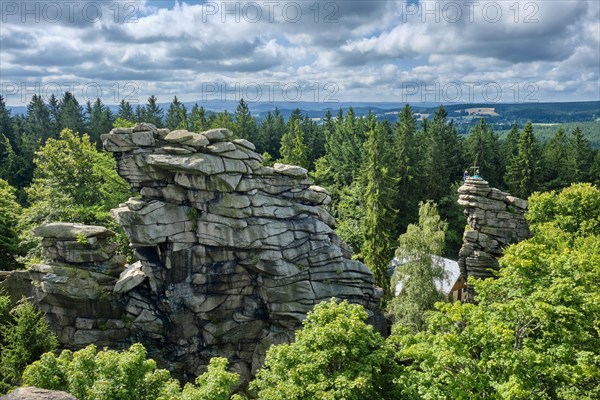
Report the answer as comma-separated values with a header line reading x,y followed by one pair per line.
x,y
232,254
75,287
495,219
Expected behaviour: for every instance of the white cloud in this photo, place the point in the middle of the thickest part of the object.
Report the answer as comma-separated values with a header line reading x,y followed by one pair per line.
x,y
368,49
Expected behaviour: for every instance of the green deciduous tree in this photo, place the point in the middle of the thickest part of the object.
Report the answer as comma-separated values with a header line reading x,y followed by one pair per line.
x,y
421,269
533,332
336,355
73,183
90,374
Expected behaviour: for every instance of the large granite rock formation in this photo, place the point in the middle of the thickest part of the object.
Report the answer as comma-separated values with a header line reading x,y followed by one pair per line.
x,y
495,220
74,288
232,254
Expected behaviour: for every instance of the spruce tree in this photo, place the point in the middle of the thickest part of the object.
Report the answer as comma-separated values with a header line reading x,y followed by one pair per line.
x,y
405,169
198,120
70,114
293,149
125,111
245,125
140,113
6,127
560,165
379,197
101,122
524,169
153,113
442,158
483,148
581,155
176,115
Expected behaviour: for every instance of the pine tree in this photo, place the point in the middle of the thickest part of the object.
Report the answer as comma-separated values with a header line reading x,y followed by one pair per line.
x,y
101,122
405,169
70,114
140,113
483,148
54,108
293,149
125,111
379,196
222,120
38,123
176,115
198,120
6,127
245,125
153,113
581,155
560,165
442,158
524,169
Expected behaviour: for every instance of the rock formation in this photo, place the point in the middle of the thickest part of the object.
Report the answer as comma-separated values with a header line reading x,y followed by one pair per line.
x,y
495,220
233,254
33,393
75,287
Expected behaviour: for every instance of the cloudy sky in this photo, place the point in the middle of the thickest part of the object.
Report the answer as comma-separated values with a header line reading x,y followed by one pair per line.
x,y
305,50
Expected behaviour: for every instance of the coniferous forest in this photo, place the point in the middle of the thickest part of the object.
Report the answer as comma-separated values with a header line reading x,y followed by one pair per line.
x,y
533,333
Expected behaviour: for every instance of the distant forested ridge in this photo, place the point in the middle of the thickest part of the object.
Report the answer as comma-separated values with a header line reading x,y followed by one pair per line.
x,y
367,162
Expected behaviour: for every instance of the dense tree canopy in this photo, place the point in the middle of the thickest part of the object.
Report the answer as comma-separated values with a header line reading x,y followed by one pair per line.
x,y
90,374
336,355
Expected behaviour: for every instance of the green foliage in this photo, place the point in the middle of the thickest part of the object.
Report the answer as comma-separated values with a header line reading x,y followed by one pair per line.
x,y
100,122
483,149
215,384
575,209
350,216
245,125
89,374
10,211
379,198
123,123
293,149
73,183
421,267
523,174
24,337
533,333
336,355
152,113
176,115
